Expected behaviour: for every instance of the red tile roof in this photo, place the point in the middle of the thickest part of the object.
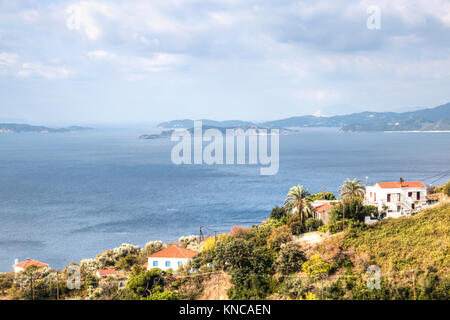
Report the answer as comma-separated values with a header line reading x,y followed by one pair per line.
x,y
106,272
406,184
31,262
323,207
174,252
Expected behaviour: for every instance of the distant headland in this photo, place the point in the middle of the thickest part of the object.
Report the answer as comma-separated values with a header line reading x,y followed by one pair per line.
x,y
430,120
26,128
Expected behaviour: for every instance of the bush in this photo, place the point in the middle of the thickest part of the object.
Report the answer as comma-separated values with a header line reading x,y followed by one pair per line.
x,y
250,267
446,189
296,286
277,213
322,196
312,224
315,267
354,210
295,225
127,262
290,259
278,237
166,295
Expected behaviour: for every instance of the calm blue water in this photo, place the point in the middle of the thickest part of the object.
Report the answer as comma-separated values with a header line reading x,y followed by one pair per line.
x,y
64,197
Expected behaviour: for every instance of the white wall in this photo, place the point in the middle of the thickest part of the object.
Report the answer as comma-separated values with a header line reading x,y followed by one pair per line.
x,y
162,263
404,203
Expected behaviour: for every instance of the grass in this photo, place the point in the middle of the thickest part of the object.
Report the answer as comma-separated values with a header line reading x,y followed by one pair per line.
x,y
407,243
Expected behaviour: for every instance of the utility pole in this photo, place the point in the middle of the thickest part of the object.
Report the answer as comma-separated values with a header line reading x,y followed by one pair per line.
x,y
57,286
215,237
414,283
217,285
31,285
201,234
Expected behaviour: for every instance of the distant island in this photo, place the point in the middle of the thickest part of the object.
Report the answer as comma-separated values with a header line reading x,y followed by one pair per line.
x,y
26,128
223,129
431,119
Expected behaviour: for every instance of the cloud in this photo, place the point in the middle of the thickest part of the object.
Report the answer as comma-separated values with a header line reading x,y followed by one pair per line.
x,y
38,69
7,59
100,54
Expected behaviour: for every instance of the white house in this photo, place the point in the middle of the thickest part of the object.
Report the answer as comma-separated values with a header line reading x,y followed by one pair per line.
x,y
397,198
20,266
172,257
106,273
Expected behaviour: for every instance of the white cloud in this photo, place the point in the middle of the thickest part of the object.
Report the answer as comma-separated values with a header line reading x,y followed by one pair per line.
x,y
100,54
8,59
38,69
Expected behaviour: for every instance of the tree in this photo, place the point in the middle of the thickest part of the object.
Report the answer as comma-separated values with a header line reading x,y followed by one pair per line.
x,y
322,196
290,259
297,200
277,213
279,236
250,267
350,189
144,283
446,189
127,262
6,281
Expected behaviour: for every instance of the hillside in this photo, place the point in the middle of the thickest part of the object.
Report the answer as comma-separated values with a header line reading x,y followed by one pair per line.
x,y
430,119
26,128
417,242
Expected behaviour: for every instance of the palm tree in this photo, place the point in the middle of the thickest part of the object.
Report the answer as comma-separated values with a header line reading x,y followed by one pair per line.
x,y
297,200
350,189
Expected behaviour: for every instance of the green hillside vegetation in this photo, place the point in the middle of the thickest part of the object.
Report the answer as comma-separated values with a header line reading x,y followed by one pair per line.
x,y
268,261
418,242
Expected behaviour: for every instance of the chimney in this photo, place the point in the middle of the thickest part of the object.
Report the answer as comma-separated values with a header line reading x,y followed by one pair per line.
x,y
16,261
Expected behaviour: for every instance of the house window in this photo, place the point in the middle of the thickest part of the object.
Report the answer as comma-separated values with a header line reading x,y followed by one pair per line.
x,y
167,263
155,263
398,208
180,263
413,206
418,195
410,194
389,197
375,197
371,194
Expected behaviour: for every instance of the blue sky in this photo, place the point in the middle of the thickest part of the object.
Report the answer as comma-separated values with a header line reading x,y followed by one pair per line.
x,y
140,61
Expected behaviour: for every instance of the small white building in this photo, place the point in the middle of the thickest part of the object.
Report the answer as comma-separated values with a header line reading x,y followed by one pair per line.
x,y
397,198
20,266
172,257
106,273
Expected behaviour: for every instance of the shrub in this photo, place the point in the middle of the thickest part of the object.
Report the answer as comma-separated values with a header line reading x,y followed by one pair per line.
x,y
322,196
250,267
312,224
166,295
239,231
152,247
315,267
290,259
127,262
295,286
354,210
446,189
277,213
278,237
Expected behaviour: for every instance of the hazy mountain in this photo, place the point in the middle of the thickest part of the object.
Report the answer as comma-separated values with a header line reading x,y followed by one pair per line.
x,y
188,123
22,128
437,118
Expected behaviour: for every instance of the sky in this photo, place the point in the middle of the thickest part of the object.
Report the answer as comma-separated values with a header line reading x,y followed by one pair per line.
x,y
135,61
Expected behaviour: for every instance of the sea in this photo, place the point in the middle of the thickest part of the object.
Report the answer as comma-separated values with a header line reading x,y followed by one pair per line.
x,y
69,196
